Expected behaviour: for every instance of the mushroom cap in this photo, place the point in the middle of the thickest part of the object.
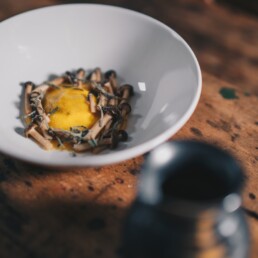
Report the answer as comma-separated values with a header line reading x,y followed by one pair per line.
x,y
126,86
110,73
96,70
28,83
80,70
70,77
125,106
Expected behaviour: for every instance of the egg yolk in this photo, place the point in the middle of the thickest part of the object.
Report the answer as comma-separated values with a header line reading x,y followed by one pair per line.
x,y
71,108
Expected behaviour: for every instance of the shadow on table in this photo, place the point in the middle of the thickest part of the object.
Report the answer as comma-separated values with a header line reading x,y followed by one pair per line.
x,y
38,219
59,229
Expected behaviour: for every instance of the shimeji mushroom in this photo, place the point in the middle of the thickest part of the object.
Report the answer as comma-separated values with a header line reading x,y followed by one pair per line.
x,y
112,78
27,91
95,76
80,76
125,91
97,127
33,133
92,103
36,98
82,147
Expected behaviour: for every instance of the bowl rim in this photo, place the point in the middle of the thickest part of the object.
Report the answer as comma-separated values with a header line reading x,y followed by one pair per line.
x,y
128,153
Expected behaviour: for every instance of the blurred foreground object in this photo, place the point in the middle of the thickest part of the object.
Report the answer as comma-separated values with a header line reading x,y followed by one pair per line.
x,y
188,205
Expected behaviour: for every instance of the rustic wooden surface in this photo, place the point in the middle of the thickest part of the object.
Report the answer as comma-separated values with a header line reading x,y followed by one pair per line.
x,y
79,213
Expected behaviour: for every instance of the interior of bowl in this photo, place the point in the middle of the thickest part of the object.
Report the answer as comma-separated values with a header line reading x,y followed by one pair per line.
x,y
144,52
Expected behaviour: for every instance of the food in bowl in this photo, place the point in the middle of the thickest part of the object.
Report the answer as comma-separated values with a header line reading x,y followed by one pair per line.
x,y
76,112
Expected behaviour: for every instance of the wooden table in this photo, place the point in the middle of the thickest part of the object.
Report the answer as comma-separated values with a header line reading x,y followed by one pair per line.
x,y
78,213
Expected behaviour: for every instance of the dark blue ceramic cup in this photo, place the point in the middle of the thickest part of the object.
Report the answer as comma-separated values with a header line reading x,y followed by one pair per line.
x,y
188,205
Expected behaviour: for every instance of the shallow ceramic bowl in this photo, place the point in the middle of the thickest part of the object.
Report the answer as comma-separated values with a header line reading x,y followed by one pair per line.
x,y
144,52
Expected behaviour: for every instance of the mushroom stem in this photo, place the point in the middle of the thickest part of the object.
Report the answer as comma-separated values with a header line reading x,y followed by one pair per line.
x,y
63,134
36,97
92,103
109,89
41,89
55,82
82,147
31,131
123,125
125,109
44,129
111,76
108,126
96,75
27,92
112,102
98,149
111,142
126,92
97,127
102,100
80,74
106,141
36,100
114,84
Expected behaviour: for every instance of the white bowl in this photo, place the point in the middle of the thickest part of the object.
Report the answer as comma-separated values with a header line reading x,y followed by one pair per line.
x,y
144,52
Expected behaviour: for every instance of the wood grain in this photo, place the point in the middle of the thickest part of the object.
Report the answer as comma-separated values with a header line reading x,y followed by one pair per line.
x,y
79,213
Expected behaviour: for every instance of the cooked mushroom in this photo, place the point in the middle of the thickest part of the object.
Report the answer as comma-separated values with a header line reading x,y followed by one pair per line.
x,y
40,90
27,91
33,133
125,109
36,98
106,91
57,81
110,73
82,147
111,141
107,86
42,117
54,83
96,75
110,90
97,127
107,126
80,75
71,77
99,149
112,77
67,135
112,103
92,103
102,101
126,91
